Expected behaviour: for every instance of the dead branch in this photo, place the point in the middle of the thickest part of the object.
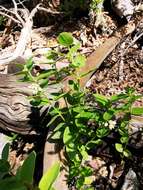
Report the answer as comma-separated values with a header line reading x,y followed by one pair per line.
x,y
16,12
27,23
25,35
132,42
10,17
49,10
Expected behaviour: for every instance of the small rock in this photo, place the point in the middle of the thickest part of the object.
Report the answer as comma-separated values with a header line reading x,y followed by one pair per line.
x,y
135,129
131,181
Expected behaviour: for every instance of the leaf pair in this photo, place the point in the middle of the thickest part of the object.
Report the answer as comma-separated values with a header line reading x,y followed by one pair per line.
x,y
23,180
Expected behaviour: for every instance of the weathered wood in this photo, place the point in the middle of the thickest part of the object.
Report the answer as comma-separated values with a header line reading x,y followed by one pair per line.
x,y
16,113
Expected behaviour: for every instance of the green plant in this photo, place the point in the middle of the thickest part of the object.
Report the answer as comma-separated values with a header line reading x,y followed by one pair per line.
x,y
96,5
96,15
2,20
87,126
87,120
23,179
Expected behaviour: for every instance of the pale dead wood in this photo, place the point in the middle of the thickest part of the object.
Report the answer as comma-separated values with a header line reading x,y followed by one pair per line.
x,y
10,17
44,29
15,109
27,23
16,13
25,36
16,113
49,10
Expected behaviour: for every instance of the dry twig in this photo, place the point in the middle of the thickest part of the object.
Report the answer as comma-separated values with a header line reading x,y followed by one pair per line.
x,y
132,42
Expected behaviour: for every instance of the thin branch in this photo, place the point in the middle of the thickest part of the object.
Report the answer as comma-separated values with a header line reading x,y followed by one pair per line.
x,y
33,12
48,10
132,42
25,36
21,3
8,16
6,10
24,12
16,13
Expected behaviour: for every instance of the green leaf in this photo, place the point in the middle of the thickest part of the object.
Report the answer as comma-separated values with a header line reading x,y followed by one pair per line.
x,y
115,98
4,168
85,114
73,153
80,182
123,131
137,111
74,49
127,153
26,171
72,52
67,138
88,180
119,147
130,90
79,61
29,63
80,124
35,101
124,139
71,146
43,101
49,177
54,118
65,39
74,98
102,132
93,143
51,56
60,126
78,109
83,152
58,131
44,83
5,152
45,74
108,115
11,183
103,100
57,135
73,85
